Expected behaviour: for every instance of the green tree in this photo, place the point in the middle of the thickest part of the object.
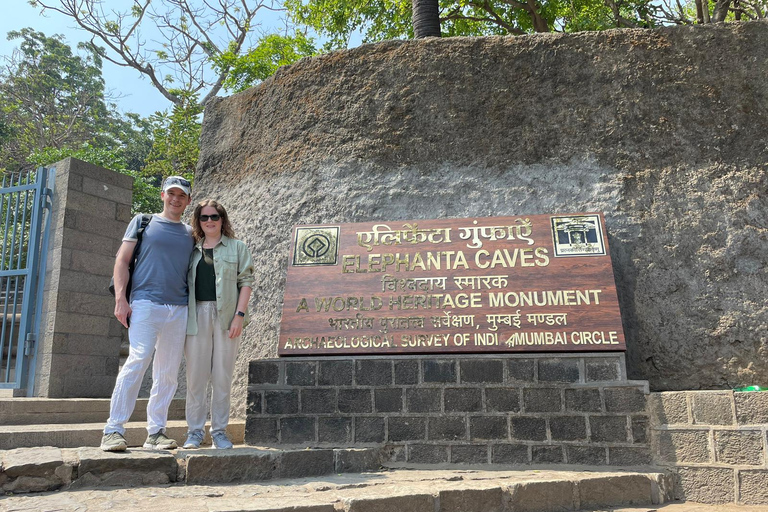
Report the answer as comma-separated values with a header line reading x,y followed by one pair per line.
x,y
50,97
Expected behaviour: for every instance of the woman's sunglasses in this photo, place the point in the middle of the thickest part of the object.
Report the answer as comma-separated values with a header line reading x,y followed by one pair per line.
x,y
215,217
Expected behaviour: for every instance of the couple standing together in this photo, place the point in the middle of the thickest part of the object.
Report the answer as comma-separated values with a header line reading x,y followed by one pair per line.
x,y
189,295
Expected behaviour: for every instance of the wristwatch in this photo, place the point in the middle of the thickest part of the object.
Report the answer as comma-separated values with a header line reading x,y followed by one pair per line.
x,y
240,313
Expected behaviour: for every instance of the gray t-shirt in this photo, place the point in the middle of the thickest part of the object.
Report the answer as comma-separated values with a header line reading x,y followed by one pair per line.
x,y
161,267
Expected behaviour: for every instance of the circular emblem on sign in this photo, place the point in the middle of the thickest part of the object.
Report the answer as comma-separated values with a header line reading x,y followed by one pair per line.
x,y
316,245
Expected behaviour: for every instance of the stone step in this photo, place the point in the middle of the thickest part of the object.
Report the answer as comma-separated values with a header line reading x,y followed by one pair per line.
x,y
71,435
311,480
40,411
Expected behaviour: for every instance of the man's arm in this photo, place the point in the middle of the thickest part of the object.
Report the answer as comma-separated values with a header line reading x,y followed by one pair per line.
x,y
123,259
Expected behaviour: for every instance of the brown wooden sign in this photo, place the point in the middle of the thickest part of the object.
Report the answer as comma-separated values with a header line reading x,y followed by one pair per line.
x,y
497,284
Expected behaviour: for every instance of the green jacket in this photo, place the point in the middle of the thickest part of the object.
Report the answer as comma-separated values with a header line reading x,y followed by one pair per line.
x,y
233,265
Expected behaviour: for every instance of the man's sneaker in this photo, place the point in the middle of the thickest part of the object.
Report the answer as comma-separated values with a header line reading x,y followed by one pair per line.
x,y
220,440
194,438
113,442
160,441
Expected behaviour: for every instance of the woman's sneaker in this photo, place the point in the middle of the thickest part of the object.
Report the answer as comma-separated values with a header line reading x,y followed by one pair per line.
x,y
194,438
113,442
220,440
160,441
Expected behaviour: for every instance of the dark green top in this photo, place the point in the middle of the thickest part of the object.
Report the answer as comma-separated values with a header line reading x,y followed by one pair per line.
x,y
205,282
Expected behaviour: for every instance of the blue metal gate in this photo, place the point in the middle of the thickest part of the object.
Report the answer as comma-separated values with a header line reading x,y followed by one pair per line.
x,y
25,206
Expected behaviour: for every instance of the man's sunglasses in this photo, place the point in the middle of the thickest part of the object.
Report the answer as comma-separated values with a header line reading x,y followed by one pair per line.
x,y
215,217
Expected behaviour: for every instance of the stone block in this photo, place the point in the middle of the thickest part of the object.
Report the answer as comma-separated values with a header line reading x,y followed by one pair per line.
x,y
410,502
296,430
751,407
583,400
482,371
86,304
446,428
355,400
406,372
355,460
94,243
263,372
502,400
422,400
639,429
753,487
542,400
469,454
739,447
602,370
475,500
137,460
668,408
32,462
75,323
608,429
542,496
93,205
712,407
558,370
488,427
406,428
97,187
281,402
510,454
547,454
96,264
439,371
463,400
610,491
100,177
527,428
586,455
629,456
683,446
305,463
427,453
520,370
239,465
114,228
254,403
568,428
624,400
373,373
706,485
300,373
335,373
369,429
334,429
320,400
388,399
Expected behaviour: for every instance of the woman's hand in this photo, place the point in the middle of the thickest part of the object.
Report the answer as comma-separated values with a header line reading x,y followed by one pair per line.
x,y
236,327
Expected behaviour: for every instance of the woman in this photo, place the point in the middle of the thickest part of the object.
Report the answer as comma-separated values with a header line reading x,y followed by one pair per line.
x,y
220,281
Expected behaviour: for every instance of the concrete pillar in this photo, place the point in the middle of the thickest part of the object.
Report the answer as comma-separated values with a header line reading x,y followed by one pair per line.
x,y
79,342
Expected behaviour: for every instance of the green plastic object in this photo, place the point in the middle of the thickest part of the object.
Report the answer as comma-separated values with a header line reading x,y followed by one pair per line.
x,y
751,388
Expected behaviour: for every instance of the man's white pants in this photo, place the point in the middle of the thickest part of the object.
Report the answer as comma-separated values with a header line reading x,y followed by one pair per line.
x,y
154,328
210,355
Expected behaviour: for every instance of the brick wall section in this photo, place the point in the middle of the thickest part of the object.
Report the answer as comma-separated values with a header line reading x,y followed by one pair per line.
x,y
79,343
501,409
716,442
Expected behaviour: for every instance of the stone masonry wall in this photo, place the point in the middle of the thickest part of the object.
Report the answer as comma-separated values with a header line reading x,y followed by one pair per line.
x,y
503,409
79,343
662,130
716,443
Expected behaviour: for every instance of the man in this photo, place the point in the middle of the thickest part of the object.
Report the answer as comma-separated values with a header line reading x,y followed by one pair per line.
x,y
156,316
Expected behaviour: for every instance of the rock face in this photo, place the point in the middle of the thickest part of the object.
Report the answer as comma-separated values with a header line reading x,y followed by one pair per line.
x,y
664,131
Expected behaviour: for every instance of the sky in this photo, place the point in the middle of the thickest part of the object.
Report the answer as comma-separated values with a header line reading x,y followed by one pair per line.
x,y
135,94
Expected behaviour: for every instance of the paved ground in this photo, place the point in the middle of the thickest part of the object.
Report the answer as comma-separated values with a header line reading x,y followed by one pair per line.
x,y
357,492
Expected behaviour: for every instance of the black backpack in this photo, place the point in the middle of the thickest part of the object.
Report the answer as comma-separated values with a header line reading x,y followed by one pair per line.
x,y
145,218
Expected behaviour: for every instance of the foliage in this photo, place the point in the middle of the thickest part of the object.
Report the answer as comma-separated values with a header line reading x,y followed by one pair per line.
x,y
185,36
176,139
50,97
262,61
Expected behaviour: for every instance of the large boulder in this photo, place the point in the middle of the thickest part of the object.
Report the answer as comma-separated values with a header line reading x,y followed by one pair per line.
x,y
663,130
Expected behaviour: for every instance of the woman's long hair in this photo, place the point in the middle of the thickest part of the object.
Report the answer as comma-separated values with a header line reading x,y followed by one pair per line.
x,y
226,227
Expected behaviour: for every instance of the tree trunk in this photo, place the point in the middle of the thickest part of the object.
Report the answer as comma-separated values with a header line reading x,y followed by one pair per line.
x,y
721,11
539,23
426,18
